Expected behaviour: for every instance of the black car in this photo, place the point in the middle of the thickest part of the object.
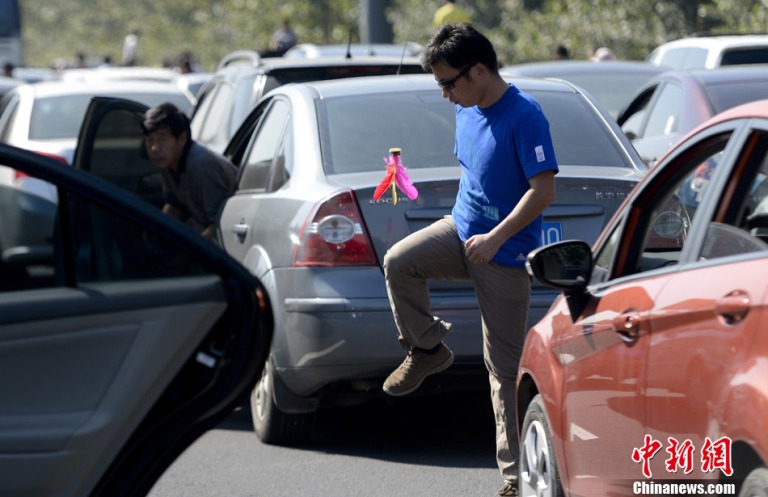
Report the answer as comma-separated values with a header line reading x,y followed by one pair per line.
x,y
124,335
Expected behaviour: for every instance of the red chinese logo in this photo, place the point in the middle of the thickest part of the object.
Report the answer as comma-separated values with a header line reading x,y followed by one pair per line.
x,y
714,455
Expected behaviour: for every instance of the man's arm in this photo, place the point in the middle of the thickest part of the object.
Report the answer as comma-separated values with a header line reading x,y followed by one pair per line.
x,y
482,248
174,212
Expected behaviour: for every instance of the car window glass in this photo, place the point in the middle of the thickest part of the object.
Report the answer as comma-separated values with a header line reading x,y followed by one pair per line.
x,y
695,57
119,156
604,258
8,112
45,248
257,167
633,123
246,93
744,228
215,125
357,131
664,117
673,57
283,166
738,56
667,212
727,95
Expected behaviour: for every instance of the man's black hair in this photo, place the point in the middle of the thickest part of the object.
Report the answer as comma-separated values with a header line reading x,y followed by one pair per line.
x,y
459,45
166,115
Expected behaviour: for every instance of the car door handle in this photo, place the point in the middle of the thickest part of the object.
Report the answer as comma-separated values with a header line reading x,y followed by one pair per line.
x,y
733,308
627,325
241,230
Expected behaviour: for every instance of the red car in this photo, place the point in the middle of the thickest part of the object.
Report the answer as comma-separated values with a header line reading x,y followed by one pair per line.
x,y
649,374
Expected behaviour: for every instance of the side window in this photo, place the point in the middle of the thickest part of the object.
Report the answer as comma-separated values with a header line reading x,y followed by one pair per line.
x,y
8,107
665,115
45,246
604,258
741,225
283,167
633,124
257,167
665,214
216,122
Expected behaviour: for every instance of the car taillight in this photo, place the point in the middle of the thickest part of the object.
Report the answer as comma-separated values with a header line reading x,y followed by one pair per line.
x,y
18,176
334,235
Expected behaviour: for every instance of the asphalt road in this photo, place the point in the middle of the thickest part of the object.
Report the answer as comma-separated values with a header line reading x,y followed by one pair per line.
x,y
418,447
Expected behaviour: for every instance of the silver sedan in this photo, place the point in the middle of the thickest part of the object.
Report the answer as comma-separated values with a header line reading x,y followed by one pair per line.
x,y
304,220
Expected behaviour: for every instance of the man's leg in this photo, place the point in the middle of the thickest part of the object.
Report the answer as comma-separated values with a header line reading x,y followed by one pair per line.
x,y
504,295
433,252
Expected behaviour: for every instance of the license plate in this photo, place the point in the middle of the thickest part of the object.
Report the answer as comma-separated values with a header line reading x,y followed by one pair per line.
x,y
551,232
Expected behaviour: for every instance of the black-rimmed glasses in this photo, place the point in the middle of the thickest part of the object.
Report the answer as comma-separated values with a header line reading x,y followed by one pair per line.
x,y
448,85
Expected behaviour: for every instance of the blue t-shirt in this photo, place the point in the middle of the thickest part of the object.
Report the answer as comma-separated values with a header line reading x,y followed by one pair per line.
x,y
500,148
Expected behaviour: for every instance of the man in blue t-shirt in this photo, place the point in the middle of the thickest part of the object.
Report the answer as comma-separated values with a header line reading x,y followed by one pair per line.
x,y
508,163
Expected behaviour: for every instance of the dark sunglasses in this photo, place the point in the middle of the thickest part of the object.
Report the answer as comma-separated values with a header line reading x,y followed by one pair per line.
x,y
448,85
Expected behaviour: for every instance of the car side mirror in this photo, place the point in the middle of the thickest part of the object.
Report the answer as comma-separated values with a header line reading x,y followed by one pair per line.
x,y
566,266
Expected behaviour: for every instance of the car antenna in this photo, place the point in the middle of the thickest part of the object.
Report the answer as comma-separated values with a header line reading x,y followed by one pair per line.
x,y
405,47
349,44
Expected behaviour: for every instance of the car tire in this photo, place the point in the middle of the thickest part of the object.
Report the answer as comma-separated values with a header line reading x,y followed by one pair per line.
x,y
539,474
755,484
272,425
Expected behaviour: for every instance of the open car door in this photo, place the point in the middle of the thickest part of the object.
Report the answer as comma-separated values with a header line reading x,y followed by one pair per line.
x,y
111,146
121,343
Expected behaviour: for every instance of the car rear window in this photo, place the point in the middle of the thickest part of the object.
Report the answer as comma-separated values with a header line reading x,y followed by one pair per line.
x,y
60,117
358,131
741,56
282,76
725,96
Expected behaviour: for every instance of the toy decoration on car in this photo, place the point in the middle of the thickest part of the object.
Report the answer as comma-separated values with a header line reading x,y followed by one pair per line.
x,y
396,175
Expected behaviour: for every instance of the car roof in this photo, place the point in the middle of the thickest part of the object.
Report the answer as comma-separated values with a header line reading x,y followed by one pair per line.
x,y
63,88
724,74
718,41
119,73
410,82
268,64
563,67
312,50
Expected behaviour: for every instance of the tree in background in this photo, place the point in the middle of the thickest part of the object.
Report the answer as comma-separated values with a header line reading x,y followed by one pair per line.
x,y
521,30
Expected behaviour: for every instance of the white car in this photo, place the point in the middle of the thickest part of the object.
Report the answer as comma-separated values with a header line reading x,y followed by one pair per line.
x,y
708,52
46,117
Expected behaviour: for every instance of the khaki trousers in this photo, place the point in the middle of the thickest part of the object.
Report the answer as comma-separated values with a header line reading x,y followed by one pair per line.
x,y
503,293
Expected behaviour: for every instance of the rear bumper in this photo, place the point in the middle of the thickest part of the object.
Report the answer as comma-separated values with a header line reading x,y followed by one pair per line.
x,y
354,340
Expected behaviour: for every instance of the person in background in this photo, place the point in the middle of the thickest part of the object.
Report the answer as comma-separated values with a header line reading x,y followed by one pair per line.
x,y
602,54
561,53
131,48
282,39
80,61
450,13
196,181
505,151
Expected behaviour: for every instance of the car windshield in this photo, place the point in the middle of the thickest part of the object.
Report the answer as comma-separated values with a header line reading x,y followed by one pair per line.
x,y
56,118
725,96
358,131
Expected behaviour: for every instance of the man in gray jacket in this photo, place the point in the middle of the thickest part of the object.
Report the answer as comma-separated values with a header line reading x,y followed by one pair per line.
x,y
196,181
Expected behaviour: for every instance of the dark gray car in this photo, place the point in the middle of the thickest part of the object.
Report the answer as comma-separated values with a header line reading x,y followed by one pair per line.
x,y
672,104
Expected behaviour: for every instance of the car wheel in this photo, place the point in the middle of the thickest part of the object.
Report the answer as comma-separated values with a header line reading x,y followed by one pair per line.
x,y
272,425
756,484
539,475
